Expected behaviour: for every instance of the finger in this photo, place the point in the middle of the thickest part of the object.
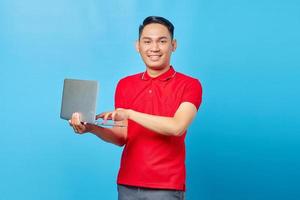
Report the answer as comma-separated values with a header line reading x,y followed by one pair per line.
x,y
85,127
80,128
72,123
113,115
74,118
75,129
77,119
107,116
101,115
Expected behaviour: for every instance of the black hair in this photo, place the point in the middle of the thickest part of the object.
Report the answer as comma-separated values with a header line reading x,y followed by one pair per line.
x,y
157,20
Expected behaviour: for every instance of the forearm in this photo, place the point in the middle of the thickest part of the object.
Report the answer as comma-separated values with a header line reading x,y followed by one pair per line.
x,y
170,126
115,135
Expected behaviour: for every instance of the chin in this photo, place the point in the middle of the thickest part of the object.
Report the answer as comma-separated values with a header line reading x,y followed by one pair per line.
x,y
156,67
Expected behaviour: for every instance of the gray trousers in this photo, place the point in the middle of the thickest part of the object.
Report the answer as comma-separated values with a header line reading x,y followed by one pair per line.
x,y
136,193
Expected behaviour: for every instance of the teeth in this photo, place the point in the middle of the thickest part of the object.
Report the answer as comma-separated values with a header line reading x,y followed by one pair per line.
x,y
154,58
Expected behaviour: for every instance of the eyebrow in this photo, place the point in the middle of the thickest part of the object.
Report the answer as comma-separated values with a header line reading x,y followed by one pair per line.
x,y
149,38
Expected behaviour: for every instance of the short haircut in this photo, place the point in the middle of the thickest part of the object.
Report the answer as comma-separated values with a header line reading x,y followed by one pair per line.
x,y
157,20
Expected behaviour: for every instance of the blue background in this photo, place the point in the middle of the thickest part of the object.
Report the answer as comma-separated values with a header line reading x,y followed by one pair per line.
x,y
244,143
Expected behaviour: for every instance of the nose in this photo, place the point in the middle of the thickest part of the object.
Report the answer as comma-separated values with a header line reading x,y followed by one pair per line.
x,y
154,46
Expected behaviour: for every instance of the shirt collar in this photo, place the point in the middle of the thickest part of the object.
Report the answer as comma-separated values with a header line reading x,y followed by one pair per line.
x,y
163,77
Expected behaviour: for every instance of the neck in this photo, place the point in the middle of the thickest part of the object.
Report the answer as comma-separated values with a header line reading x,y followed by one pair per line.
x,y
156,72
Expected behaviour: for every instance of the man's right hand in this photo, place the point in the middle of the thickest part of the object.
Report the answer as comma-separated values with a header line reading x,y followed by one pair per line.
x,y
115,135
78,126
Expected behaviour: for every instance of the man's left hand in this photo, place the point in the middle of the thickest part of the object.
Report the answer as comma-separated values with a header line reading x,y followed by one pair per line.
x,y
119,114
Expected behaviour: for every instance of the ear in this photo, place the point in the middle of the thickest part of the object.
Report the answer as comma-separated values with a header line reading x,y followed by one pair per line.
x,y
137,46
174,45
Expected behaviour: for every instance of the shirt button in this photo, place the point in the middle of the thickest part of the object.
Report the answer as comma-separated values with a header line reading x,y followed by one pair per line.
x,y
150,91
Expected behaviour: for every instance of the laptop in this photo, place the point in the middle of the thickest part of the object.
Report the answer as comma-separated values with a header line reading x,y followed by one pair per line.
x,y
81,96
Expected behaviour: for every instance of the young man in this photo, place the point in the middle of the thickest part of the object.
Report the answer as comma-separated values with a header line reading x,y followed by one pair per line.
x,y
157,106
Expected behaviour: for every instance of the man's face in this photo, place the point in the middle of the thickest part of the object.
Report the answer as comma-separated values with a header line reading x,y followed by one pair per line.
x,y
156,46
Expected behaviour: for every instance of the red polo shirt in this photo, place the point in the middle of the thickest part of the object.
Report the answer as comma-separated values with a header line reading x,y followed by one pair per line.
x,y
150,159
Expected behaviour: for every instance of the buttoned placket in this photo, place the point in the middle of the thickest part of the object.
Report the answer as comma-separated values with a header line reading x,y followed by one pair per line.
x,y
150,90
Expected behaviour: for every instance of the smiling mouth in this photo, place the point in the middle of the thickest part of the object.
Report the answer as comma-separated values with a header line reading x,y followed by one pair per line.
x,y
154,57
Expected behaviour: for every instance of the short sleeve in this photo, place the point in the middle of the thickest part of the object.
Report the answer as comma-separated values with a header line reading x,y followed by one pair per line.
x,y
193,93
119,96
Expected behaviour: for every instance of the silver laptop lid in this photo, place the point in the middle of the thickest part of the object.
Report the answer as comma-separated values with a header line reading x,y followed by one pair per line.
x,y
79,96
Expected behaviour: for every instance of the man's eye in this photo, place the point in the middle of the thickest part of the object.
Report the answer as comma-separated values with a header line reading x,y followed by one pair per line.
x,y
163,41
146,41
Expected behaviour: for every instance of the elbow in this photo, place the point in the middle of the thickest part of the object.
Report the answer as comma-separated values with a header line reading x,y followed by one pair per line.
x,y
120,142
177,131
177,128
